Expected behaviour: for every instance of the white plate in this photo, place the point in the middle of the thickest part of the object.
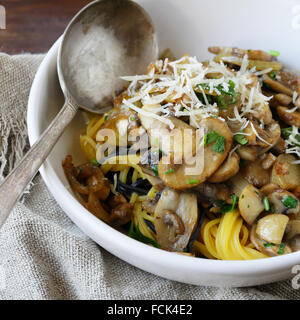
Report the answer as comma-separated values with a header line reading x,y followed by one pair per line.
x,y
188,26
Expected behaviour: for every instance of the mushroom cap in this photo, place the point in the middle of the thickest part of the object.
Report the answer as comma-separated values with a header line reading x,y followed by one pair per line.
x,y
176,216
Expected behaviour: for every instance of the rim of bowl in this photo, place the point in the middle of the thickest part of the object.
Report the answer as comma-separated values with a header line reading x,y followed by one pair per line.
x,y
120,241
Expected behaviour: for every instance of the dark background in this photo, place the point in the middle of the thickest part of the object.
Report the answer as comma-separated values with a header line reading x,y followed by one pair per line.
x,y
32,26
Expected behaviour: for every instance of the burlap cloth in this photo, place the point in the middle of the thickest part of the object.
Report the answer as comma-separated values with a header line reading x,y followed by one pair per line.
x,y
43,255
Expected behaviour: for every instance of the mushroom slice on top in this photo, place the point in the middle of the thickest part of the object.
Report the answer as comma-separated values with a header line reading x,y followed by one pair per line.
x,y
269,249
237,52
228,169
291,118
285,173
277,86
292,235
254,173
176,216
217,142
250,204
271,227
292,229
284,202
170,141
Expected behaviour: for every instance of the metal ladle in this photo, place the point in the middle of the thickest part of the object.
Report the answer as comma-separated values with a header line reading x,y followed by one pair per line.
x,y
105,40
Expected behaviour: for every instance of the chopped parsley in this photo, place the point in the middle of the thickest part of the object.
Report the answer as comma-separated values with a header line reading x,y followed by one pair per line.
x,y
286,132
155,170
219,146
274,53
281,248
227,94
95,162
272,74
266,203
195,181
105,117
290,202
169,171
218,140
225,207
135,233
268,245
240,138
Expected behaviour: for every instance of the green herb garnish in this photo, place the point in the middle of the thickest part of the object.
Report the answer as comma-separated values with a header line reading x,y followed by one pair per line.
x,y
266,203
281,248
155,170
193,181
219,146
226,92
274,53
268,245
211,137
170,171
240,138
135,233
235,199
105,117
95,162
286,132
290,202
272,74
219,141
225,207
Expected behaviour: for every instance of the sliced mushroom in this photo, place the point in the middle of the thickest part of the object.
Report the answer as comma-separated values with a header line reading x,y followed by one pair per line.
x,y
286,174
249,153
149,204
206,160
266,248
269,188
292,235
172,142
289,79
228,169
271,227
292,229
255,174
294,243
258,64
252,54
290,118
176,216
209,192
277,197
250,204
280,146
268,161
271,134
277,86
238,183
283,99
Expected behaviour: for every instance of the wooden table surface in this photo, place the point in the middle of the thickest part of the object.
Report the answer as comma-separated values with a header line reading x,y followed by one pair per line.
x,y
32,26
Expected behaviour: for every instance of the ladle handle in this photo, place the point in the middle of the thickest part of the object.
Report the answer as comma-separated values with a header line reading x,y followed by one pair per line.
x,y
15,183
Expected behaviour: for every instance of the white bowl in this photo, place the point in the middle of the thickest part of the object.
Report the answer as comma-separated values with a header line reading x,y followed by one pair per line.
x,y
188,26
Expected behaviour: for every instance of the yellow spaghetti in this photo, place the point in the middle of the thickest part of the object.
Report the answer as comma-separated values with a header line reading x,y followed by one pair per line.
x,y
226,238
89,146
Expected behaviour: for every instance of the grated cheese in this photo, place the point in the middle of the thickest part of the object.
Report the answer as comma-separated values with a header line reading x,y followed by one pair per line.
x,y
172,85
